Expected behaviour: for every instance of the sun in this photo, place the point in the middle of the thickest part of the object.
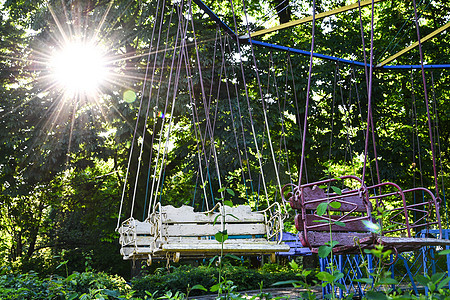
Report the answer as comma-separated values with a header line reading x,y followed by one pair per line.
x,y
79,68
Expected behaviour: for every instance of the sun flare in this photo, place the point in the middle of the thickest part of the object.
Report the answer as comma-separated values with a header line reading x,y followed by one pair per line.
x,y
79,68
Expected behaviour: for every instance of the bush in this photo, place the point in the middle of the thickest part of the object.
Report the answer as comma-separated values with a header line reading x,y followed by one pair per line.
x,y
30,286
186,276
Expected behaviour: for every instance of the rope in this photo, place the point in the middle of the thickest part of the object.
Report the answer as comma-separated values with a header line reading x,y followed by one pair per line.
x,y
208,121
439,144
133,141
283,126
223,65
332,113
426,102
266,122
416,129
369,106
240,118
308,90
157,179
297,110
361,115
248,101
280,111
148,105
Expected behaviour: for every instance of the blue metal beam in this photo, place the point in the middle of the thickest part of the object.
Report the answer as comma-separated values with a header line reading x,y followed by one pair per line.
x,y
215,18
444,66
294,50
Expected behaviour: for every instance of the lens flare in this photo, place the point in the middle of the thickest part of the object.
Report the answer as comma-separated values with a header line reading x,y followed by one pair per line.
x,y
79,68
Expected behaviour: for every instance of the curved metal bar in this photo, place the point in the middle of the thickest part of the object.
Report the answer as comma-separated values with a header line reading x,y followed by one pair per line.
x,y
434,201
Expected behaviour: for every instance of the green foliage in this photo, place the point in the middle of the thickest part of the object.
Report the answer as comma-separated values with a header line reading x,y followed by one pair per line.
x,y
87,285
187,276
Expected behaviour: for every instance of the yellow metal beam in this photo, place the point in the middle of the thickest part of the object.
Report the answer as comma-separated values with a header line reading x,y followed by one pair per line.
x,y
422,40
318,16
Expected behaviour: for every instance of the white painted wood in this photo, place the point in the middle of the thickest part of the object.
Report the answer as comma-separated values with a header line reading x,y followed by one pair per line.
x,y
241,213
144,240
208,229
137,227
262,247
181,230
186,214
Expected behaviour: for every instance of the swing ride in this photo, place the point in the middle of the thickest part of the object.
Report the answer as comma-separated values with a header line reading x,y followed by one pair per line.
x,y
342,209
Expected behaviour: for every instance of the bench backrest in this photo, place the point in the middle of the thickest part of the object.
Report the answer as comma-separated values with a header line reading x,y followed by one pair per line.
x,y
352,209
184,222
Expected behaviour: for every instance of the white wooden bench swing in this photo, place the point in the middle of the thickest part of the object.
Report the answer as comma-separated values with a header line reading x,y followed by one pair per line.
x,y
171,232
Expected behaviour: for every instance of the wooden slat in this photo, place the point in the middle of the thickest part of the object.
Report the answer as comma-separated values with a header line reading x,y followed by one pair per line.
x,y
403,241
352,223
191,229
244,247
317,239
242,213
127,251
349,201
138,227
313,193
186,214
206,247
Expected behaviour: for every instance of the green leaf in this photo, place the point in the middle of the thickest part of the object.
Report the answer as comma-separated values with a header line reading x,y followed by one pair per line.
x,y
199,287
212,259
228,203
364,280
341,286
215,287
62,264
444,252
437,277
322,208
324,251
111,293
325,276
338,276
231,192
72,296
336,190
285,282
332,243
231,215
216,218
443,283
387,280
221,190
339,223
233,256
422,280
221,236
321,221
335,204
376,295
293,264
